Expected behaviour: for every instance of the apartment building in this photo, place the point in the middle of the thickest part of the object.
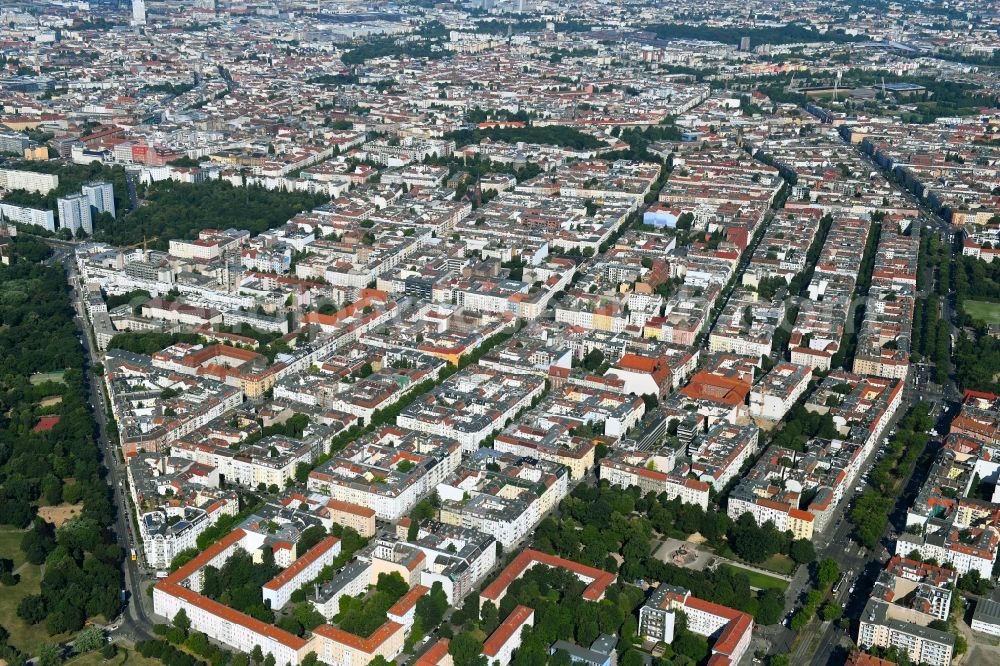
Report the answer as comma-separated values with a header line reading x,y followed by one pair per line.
x,y
175,500
777,391
32,181
147,422
986,618
774,488
278,590
551,440
597,580
731,629
879,627
858,402
388,471
471,405
456,557
965,548
101,196
181,590
500,646
718,456
746,325
271,461
74,214
502,495
25,215
653,472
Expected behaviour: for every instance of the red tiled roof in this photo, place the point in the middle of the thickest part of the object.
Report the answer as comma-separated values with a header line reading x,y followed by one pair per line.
x,y
600,579
435,655
408,600
347,507
799,514
636,362
205,557
517,618
864,659
367,645
739,624
300,564
230,615
709,386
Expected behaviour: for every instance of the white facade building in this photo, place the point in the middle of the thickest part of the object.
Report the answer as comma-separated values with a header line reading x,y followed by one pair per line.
x,y
23,215
278,590
101,196
74,214
138,12
42,183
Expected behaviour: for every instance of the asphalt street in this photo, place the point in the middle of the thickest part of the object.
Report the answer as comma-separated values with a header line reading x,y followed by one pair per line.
x,y
135,623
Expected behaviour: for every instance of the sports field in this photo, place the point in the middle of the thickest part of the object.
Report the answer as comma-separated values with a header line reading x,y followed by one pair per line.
x,y
984,311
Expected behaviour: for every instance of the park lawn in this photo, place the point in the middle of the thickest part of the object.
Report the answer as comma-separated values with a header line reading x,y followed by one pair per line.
x,y
123,658
779,564
10,545
759,580
25,636
983,310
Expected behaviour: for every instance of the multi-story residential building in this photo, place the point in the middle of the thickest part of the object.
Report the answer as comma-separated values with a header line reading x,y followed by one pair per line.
x,y
181,590
858,402
454,556
500,646
210,244
32,181
718,456
359,518
597,580
773,489
14,143
24,215
884,339
653,472
925,589
746,325
732,629
101,196
278,590
777,391
74,214
388,471
471,405
145,420
986,617
965,548
685,315
351,581
598,180
781,253
180,313
881,626
549,439
176,500
578,405
819,326
271,461
502,495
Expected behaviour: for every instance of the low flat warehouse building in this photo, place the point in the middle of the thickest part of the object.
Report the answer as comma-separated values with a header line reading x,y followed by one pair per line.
x,y
986,618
